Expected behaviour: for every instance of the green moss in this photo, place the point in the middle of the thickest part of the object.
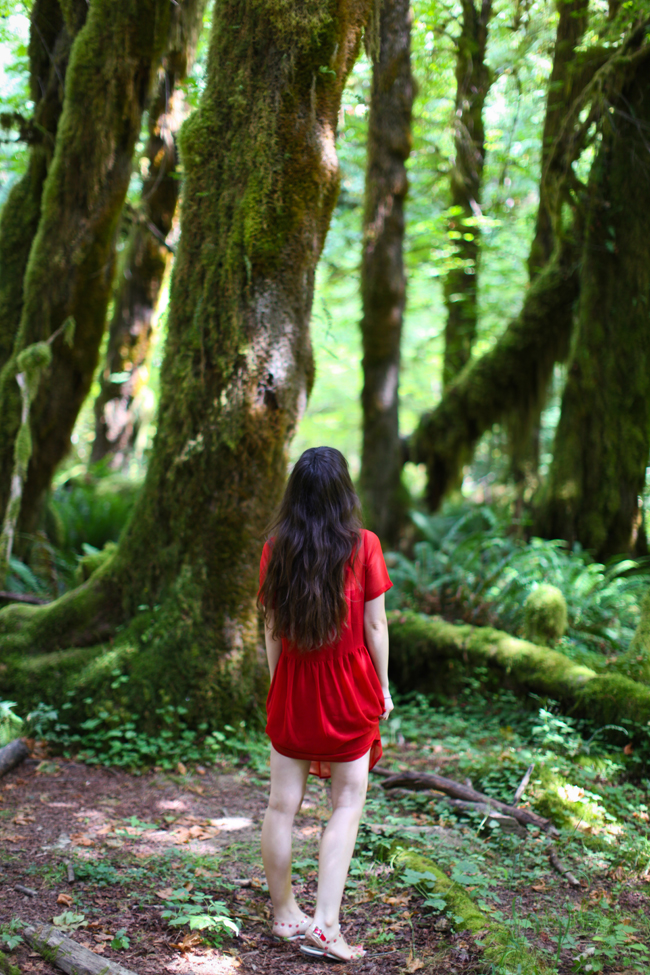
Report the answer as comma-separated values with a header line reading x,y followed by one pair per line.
x,y
635,664
430,655
496,939
545,615
90,563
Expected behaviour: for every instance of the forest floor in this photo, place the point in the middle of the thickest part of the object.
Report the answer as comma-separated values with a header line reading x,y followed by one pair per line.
x,y
153,847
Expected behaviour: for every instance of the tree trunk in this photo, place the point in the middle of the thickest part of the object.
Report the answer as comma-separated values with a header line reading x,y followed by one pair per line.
x,y
383,281
432,656
262,178
70,264
511,377
572,23
603,437
49,50
146,254
461,284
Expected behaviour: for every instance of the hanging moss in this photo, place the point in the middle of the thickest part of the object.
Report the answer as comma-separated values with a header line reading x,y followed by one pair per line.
x,y
545,615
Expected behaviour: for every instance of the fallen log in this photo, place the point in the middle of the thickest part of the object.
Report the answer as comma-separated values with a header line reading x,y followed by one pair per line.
x,y
68,955
495,937
420,780
12,755
430,655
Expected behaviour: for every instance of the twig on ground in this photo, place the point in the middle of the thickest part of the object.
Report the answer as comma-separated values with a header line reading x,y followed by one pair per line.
x,y
557,864
22,597
69,872
522,785
68,955
25,890
12,755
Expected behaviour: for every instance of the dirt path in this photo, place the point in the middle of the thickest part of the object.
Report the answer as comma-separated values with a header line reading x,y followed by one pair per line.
x,y
133,840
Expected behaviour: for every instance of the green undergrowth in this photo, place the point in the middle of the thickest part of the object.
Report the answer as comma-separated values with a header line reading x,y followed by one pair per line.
x,y
471,566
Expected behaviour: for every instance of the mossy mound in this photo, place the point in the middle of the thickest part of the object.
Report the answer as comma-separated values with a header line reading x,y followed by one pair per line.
x,y
545,615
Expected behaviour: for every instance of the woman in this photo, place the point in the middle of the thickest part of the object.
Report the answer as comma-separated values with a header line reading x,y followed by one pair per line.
x,y
322,585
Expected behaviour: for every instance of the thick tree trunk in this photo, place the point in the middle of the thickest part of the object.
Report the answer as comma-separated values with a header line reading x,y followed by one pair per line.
x,y
461,284
49,49
431,655
383,281
262,178
146,254
511,377
572,24
70,265
603,436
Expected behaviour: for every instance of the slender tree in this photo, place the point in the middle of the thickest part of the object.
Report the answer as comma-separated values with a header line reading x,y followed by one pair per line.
x,y
51,36
383,279
262,178
146,253
473,79
602,441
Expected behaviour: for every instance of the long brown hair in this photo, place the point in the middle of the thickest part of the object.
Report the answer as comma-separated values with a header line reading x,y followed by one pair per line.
x,y
316,530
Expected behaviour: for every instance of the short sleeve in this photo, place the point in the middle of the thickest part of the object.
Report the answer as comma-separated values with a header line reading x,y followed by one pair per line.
x,y
264,564
377,578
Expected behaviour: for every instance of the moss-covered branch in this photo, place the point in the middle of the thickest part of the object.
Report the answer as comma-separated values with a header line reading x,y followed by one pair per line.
x,y
512,376
432,655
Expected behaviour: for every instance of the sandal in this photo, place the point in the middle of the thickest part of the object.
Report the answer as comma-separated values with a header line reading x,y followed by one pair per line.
x,y
316,945
282,931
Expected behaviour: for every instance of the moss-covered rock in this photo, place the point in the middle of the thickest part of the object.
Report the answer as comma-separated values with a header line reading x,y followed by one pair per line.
x,y
545,615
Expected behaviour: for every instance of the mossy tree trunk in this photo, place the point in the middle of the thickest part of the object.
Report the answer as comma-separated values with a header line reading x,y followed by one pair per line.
x,y
262,177
602,441
147,255
70,266
511,377
51,36
473,78
383,280
572,23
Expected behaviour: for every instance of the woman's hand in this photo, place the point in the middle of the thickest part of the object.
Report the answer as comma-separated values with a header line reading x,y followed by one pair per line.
x,y
388,706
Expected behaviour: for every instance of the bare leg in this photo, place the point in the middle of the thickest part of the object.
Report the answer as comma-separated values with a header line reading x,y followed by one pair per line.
x,y
349,785
288,781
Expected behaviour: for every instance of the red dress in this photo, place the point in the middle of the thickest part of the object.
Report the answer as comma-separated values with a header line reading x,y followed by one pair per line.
x,y
324,705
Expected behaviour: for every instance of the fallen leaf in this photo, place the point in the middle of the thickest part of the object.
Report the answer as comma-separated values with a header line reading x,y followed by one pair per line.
x,y
15,838
190,940
22,819
201,872
197,789
65,899
200,770
628,750
414,964
99,949
165,894
81,839
181,769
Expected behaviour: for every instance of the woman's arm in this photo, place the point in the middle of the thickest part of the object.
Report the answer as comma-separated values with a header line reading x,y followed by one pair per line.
x,y
375,627
273,644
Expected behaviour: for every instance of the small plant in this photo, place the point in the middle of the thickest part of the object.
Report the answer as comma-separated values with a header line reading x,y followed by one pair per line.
x,y
120,942
11,726
200,913
9,935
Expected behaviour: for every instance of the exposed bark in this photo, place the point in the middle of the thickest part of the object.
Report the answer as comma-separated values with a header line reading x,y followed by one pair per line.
x,y
431,655
511,377
49,50
572,23
71,259
146,254
602,440
12,755
262,178
383,280
473,79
